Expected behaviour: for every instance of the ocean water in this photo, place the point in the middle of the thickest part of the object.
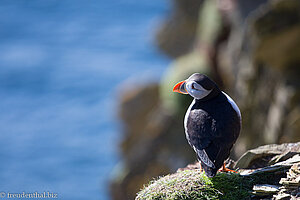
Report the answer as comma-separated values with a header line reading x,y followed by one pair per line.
x,y
61,64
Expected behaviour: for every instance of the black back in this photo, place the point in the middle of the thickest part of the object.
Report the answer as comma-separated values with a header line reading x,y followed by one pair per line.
x,y
212,128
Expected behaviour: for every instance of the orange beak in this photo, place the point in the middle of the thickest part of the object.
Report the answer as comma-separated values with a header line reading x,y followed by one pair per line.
x,y
180,87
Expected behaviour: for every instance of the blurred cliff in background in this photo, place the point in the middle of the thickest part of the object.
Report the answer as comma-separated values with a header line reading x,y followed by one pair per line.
x,y
250,48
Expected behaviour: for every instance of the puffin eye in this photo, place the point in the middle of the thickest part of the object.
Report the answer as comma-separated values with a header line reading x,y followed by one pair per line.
x,y
193,87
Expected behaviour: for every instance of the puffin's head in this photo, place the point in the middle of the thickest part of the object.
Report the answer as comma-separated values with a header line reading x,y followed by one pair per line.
x,y
198,86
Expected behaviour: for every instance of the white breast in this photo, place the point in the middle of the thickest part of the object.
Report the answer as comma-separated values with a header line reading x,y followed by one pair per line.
x,y
233,104
187,114
186,118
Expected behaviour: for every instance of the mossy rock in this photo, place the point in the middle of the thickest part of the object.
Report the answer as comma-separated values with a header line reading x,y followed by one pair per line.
x,y
194,184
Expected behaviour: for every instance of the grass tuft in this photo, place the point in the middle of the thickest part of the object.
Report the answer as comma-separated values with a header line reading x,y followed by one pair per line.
x,y
194,184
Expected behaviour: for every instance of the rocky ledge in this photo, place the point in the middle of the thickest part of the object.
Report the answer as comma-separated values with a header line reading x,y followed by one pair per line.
x,y
267,172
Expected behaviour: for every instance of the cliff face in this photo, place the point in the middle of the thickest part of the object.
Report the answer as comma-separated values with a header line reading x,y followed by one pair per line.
x,y
251,49
266,86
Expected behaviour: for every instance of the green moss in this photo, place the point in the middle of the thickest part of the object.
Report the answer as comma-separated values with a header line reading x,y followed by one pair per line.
x,y
233,186
193,184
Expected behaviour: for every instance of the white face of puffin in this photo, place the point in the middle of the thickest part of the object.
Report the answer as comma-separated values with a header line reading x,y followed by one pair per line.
x,y
192,88
196,90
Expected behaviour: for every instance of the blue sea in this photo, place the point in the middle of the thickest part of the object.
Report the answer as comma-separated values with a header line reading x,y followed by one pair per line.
x,y
61,66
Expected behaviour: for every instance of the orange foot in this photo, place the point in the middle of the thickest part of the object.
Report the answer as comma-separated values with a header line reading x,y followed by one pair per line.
x,y
201,169
224,169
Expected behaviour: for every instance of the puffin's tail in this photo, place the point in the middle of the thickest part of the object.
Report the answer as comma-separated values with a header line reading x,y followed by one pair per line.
x,y
209,171
206,163
216,157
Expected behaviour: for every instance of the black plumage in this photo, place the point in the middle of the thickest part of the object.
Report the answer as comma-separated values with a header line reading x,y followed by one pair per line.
x,y
212,125
212,128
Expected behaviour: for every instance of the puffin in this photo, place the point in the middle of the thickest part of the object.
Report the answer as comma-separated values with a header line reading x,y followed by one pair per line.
x,y
212,122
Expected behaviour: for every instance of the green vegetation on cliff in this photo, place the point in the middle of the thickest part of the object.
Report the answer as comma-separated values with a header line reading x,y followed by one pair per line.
x,y
193,184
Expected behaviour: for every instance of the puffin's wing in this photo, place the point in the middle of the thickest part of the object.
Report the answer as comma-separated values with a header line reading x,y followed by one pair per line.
x,y
211,139
200,133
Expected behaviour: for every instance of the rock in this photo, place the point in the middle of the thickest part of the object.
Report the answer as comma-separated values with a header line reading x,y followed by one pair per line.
x,y
268,154
293,176
282,196
277,27
265,189
266,69
279,169
290,161
135,107
177,34
291,184
282,156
